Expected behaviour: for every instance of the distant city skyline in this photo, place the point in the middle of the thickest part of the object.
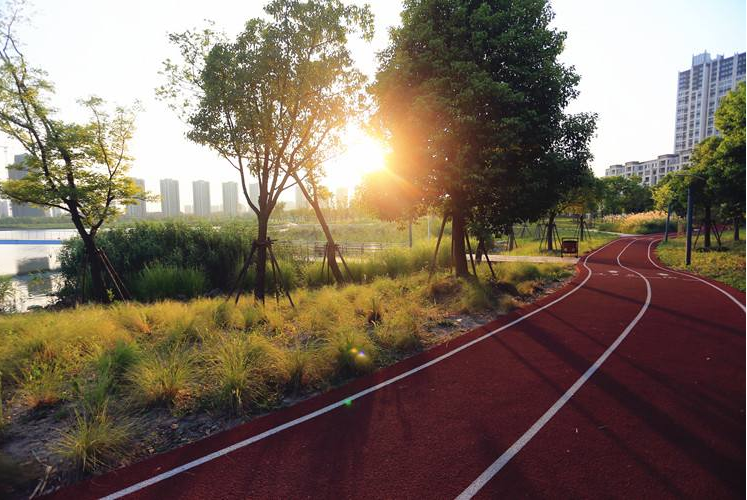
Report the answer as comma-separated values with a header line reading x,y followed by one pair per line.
x,y
628,77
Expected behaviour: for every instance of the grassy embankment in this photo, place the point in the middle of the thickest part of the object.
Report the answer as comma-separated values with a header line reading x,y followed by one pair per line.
x,y
640,223
724,266
99,369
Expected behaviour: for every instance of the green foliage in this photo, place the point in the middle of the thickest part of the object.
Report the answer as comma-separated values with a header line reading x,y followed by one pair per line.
x,y
294,67
717,165
471,96
7,292
80,168
624,195
161,282
215,251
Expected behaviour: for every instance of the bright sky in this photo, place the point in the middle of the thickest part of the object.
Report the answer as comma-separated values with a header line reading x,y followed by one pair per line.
x,y
627,53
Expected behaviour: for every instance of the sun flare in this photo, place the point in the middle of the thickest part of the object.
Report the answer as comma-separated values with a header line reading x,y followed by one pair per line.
x,y
361,155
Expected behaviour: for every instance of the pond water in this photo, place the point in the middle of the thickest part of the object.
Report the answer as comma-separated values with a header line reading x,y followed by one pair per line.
x,y
32,264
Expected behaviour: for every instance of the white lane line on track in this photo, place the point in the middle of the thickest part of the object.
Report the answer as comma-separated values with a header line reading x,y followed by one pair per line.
x,y
292,423
730,296
515,448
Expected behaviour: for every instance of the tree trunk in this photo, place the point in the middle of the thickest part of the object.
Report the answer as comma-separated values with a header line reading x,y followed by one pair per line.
x,y
550,232
261,253
331,258
737,220
98,288
459,254
707,222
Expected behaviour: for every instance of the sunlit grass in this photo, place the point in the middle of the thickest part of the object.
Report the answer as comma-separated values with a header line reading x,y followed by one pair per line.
x,y
654,221
162,378
725,266
103,365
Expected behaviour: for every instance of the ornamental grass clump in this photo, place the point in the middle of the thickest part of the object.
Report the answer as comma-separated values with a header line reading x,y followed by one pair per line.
x,y
244,371
40,384
95,440
162,378
353,352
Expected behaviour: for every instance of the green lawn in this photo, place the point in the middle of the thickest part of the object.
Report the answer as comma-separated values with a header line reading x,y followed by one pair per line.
x,y
529,244
727,266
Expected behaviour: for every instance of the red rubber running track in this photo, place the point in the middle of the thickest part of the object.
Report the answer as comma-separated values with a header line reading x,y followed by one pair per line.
x,y
628,382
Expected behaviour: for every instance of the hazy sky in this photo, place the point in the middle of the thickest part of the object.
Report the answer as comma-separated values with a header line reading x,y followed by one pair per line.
x,y
628,54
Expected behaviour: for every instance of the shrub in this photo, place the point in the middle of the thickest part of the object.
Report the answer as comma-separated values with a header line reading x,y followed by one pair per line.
x,y
215,251
161,282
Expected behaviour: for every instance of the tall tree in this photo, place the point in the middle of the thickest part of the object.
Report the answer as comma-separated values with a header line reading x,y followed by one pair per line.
x,y
567,179
272,102
730,180
625,195
78,168
470,96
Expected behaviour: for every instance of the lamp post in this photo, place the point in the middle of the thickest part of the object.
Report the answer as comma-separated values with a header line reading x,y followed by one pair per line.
x,y
689,229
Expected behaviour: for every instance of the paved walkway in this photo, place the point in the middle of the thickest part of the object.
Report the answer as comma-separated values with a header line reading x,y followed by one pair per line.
x,y
538,259
629,382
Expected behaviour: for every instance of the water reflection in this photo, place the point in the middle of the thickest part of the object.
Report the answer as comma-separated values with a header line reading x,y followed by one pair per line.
x,y
32,266
34,290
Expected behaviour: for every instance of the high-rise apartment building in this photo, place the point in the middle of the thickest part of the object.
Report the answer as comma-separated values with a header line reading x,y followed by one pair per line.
x,y
137,210
699,91
230,198
16,172
301,201
201,198
170,205
4,208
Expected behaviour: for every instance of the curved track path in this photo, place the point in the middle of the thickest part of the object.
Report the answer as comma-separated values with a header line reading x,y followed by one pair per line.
x,y
628,382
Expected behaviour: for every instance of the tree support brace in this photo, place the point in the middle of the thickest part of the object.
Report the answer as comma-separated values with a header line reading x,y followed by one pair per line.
x,y
482,247
553,228
438,244
582,229
276,274
330,250
469,249
119,285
